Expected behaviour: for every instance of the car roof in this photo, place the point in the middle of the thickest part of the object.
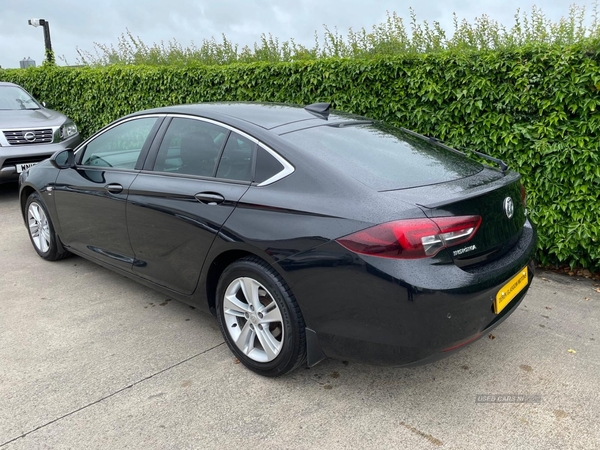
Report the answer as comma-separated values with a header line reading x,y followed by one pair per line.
x,y
7,83
264,115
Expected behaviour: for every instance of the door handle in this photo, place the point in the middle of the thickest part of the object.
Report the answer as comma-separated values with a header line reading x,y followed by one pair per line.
x,y
114,188
210,198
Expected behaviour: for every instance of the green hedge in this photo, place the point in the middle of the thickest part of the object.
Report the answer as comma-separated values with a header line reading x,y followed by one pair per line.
x,y
535,108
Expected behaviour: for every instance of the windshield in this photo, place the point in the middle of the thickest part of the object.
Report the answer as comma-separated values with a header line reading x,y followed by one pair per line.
x,y
13,97
383,157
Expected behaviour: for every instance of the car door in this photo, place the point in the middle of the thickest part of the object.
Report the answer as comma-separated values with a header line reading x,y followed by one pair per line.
x,y
177,206
91,198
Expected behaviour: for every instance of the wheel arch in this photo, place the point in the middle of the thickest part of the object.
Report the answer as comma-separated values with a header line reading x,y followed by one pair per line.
x,y
26,191
220,262
215,269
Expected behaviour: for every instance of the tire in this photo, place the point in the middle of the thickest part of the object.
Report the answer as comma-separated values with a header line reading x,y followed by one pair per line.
x,y
266,332
41,231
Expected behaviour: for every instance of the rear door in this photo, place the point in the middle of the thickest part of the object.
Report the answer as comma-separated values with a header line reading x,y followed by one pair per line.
x,y
178,204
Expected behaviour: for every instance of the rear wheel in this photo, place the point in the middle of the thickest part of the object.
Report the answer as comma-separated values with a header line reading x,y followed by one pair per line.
x,y
260,319
41,232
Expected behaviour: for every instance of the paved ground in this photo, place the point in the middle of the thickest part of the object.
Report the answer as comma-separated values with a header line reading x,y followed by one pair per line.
x,y
89,359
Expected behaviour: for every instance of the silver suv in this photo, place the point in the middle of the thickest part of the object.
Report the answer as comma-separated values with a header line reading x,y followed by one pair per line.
x,y
29,132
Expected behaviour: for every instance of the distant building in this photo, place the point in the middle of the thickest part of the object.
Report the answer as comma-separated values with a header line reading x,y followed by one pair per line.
x,y
27,62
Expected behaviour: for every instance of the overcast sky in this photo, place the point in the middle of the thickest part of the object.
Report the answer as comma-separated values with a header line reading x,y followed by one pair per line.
x,y
79,23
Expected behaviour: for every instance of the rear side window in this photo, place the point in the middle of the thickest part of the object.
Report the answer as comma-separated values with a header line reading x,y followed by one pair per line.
x,y
266,166
381,156
236,161
191,147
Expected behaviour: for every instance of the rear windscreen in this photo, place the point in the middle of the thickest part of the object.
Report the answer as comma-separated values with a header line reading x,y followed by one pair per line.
x,y
381,156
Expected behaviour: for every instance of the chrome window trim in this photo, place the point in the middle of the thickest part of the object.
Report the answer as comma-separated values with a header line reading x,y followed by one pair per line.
x,y
288,168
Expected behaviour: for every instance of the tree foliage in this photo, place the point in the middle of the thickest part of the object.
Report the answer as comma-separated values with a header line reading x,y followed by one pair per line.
x,y
391,37
536,106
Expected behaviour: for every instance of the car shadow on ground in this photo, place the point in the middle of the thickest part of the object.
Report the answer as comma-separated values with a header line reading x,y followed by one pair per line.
x,y
342,375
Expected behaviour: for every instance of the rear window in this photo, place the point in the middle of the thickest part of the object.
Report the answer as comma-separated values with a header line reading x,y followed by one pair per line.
x,y
381,156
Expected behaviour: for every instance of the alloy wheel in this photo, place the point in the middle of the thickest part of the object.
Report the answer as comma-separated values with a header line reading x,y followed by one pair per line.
x,y
39,227
253,319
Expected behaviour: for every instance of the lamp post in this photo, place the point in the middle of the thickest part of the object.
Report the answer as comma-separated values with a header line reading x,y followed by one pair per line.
x,y
46,25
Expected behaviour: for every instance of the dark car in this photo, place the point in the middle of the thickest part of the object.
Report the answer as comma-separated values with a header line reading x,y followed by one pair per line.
x,y
29,132
308,234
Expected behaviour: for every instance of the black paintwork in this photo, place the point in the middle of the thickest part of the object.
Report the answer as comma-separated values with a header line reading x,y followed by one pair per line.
x,y
159,231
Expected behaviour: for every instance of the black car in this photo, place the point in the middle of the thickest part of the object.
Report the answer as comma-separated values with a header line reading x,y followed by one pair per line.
x,y
308,233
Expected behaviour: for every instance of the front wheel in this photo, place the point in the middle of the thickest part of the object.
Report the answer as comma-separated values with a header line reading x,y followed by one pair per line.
x,y
41,231
260,319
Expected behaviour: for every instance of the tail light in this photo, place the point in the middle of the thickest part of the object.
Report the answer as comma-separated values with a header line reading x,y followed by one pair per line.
x,y
412,238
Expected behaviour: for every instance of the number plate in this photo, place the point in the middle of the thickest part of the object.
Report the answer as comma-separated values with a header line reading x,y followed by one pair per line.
x,y
510,290
24,167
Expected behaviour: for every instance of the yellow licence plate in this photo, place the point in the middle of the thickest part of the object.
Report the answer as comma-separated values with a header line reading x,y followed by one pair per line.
x,y
510,290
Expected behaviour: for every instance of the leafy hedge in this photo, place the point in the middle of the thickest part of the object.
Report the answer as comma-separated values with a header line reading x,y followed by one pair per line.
x,y
535,108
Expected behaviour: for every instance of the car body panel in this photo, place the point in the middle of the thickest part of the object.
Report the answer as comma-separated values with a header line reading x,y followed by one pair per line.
x,y
33,118
171,231
364,303
92,219
483,195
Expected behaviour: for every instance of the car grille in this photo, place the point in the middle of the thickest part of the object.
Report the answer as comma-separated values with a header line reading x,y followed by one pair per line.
x,y
24,137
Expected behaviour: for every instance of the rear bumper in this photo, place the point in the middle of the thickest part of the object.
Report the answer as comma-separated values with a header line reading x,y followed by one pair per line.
x,y
389,312
437,339
31,153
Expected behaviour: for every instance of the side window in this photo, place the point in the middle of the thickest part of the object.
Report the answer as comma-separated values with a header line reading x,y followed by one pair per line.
x,y
120,146
236,162
266,166
191,147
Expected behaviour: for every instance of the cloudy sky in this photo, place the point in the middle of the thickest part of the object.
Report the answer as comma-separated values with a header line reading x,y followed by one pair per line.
x,y
79,23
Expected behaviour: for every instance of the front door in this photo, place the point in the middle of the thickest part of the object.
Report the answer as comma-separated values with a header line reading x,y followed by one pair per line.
x,y
91,198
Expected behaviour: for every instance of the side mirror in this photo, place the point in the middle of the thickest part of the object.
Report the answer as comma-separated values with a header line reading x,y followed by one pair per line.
x,y
44,104
63,159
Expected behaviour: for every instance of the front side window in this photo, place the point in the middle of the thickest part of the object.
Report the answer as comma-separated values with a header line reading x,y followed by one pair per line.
x,y
119,147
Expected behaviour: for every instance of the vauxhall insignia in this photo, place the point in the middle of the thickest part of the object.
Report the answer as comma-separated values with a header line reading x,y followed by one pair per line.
x,y
509,207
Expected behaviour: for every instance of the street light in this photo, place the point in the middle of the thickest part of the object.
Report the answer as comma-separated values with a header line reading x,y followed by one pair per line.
x,y
46,25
